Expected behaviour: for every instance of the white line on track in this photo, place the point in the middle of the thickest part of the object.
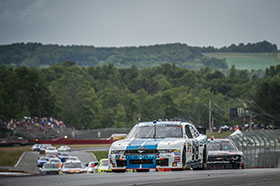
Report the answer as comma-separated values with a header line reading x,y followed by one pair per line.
x,y
19,160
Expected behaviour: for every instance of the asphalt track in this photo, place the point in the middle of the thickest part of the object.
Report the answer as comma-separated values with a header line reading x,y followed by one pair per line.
x,y
28,162
251,177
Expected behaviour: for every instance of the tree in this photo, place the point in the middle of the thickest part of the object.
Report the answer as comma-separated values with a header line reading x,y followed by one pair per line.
x,y
267,95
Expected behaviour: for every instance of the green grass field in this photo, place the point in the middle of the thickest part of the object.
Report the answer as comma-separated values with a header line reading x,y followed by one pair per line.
x,y
100,154
220,135
248,61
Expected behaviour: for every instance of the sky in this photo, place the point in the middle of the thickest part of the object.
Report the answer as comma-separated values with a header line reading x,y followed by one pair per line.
x,y
118,23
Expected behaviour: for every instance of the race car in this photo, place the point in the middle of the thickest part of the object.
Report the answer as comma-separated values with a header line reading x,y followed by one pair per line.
x,y
72,167
223,154
158,145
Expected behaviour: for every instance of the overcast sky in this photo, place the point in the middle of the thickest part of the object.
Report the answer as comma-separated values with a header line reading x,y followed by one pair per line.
x,y
139,22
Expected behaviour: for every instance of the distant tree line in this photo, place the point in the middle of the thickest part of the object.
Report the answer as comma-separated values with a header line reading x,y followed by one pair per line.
x,y
263,46
38,55
105,96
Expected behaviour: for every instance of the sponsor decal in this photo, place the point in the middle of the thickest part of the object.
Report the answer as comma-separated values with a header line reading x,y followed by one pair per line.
x,y
137,157
177,159
189,147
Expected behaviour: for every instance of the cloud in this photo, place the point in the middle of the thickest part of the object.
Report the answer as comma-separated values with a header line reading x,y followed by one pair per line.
x,y
139,22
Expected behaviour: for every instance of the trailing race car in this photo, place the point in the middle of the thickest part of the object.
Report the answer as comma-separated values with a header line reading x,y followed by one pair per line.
x,y
49,168
63,156
64,148
103,166
72,167
155,145
42,160
223,153
92,167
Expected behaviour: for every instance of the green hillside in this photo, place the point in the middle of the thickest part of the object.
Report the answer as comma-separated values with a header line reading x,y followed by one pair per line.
x,y
41,56
247,61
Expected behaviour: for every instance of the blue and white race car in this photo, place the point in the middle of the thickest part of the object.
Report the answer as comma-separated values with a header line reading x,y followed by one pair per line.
x,y
159,145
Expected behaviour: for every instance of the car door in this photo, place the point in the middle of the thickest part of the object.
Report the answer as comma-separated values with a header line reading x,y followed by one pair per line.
x,y
191,145
201,142
195,135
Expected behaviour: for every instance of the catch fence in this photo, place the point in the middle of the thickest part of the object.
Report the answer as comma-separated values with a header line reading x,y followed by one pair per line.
x,y
260,147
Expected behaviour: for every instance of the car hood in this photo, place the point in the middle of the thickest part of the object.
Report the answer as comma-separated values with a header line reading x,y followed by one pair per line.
x,y
42,161
72,169
157,143
49,169
224,153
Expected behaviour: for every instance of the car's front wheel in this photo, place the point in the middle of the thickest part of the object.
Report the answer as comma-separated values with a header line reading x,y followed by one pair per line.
x,y
142,170
204,159
203,164
184,159
119,171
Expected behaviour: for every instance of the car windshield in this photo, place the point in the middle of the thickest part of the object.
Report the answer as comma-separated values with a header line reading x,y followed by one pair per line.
x,y
51,148
64,154
73,165
158,131
48,165
221,145
92,164
55,161
73,158
44,158
104,163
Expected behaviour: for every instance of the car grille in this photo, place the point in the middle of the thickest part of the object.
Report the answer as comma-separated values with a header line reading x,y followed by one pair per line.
x,y
224,158
121,163
143,161
163,162
141,151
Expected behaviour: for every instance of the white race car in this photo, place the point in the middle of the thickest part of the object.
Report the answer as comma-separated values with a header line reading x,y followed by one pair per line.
x,y
156,145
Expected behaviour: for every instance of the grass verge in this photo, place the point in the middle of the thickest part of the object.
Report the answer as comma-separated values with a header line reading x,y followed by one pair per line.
x,y
10,155
100,154
10,158
220,135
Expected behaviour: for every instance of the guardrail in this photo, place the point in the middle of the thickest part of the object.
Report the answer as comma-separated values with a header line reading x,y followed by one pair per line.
x,y
64,141
70,133
260,147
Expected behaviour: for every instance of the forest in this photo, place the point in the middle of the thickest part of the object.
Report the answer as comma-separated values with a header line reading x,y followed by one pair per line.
x,y
38,55
263,46
107,96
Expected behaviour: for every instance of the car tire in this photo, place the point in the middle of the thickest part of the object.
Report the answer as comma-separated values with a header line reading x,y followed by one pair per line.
x,y
204,159
203,164
142,170
119,171
184,159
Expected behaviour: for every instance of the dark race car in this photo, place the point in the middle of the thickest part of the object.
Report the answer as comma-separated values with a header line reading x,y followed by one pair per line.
x,y
223,154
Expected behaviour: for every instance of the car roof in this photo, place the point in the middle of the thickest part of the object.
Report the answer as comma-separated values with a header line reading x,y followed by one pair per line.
x,y
93,162
72,161
73,157
164,123
54,158
104,159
